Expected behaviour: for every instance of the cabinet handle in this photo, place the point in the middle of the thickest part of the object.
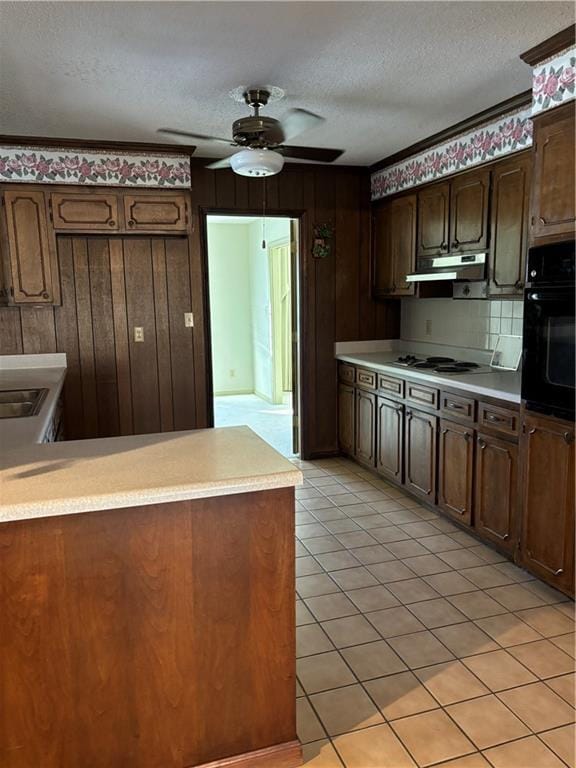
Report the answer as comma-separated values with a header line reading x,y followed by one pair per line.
x,y
496,419
131,222
443,245
451,405
482,443
45,295
111,223
569,437
467,436
559,572
456,243
518,284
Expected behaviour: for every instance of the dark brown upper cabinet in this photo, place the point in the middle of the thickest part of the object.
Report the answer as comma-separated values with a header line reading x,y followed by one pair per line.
x,y
382,267
509,225
394,246
433,220
28,249
160,213
469,195
85,212
403,243
553,207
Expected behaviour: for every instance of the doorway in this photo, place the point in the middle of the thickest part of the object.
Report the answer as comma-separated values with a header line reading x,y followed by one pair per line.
x,y
253,288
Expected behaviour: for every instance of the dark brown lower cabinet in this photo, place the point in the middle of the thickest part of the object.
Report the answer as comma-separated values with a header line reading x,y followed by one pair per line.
x,y
420,453
547,538
389,438
365,427
346,419
456,470
496,491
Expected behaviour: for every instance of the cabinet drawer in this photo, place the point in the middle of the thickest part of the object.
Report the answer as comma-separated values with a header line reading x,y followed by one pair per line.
x,y
499,419
366,379
347,373
423,395
85,212
457,406
149,212
391,385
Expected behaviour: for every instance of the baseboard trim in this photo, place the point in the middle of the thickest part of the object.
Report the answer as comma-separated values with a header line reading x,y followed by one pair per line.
x,y
286,755
322,455
226,392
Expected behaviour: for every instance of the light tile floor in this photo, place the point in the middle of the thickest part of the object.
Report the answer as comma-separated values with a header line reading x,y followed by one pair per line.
x,y
417,645
272,422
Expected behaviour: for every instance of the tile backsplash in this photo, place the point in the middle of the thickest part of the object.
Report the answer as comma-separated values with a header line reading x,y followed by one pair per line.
x,y
462,323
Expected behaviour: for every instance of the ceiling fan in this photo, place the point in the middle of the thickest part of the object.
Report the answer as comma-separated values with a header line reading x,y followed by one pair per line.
x,y
261,138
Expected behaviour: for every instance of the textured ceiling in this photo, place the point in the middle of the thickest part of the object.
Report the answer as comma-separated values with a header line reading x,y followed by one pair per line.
x,y
385,74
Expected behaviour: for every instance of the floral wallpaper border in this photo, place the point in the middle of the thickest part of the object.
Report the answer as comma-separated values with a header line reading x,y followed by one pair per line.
x,y
553,82
510,133
53,166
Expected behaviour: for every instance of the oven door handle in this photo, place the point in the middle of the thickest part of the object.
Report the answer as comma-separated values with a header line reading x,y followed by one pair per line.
x,y
546,296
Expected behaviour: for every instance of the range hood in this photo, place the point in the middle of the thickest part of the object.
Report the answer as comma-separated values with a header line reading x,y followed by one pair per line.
x,y
465,266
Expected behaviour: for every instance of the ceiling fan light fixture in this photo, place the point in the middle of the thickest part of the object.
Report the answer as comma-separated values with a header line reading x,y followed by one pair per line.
x,y
257,162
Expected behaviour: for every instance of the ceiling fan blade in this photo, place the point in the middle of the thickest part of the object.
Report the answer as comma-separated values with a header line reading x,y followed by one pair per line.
x,y
217,164
296,121
319,154
188,135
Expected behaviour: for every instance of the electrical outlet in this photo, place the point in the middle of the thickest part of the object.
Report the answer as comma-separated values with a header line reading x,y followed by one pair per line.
x,y
232,373
428,328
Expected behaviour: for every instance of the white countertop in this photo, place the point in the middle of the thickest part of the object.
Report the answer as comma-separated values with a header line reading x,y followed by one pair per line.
x,y
30,372
85,475
502,385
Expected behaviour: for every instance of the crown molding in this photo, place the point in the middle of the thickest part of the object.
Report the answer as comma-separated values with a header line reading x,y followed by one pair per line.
x,y
523,99
94,145
559,42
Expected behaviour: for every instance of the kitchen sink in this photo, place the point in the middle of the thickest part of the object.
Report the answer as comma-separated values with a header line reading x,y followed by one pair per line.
x,y
17,403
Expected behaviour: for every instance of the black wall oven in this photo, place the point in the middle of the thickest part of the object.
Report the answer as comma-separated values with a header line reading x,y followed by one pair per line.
x,y
548,360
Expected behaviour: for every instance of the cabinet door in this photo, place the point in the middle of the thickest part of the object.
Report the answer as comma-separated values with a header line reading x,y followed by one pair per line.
x,y
365,427
346,419
547,536
509,225
382,260
455,470
496,490
553,207
433,214
420,454
389,438
85,212
469,212
156,212
31,248
403,236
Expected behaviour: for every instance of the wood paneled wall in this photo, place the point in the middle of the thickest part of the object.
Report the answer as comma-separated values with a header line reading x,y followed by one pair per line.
x,y
335,291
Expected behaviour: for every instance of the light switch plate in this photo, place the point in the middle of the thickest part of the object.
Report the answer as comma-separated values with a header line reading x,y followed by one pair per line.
x,y
138,333
188,320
